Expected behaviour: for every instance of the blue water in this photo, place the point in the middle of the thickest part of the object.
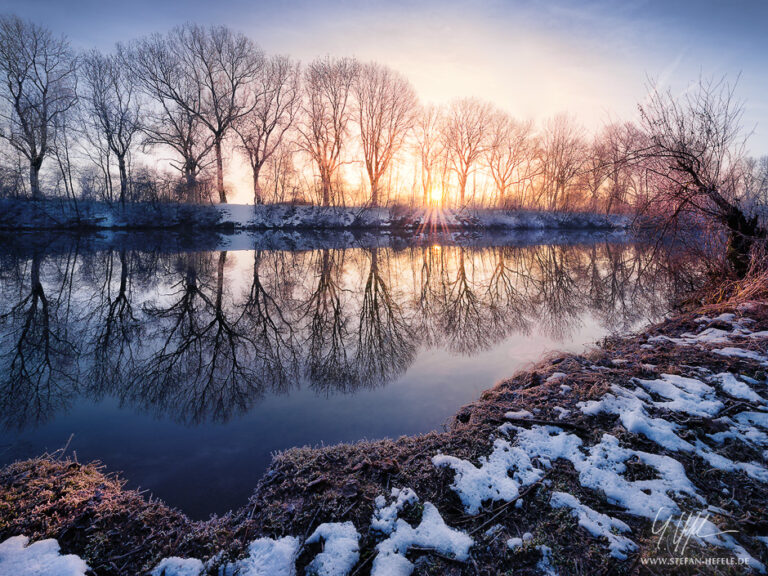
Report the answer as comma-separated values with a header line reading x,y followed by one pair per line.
x,y
422,329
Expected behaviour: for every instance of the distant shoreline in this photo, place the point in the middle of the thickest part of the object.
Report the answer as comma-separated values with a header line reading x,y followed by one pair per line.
x,y
59,214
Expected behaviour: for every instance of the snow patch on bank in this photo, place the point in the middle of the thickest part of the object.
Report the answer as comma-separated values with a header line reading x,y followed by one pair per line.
x,y
598,524
490,481
432,533
267,557
42,558
341,550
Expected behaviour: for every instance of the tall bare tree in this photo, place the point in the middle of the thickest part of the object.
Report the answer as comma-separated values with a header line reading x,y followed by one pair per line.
x,y
39,79
464,136
220,64
263,130
111,101
510,148
326,115
205,72
563,152
386,106
175,120
428,147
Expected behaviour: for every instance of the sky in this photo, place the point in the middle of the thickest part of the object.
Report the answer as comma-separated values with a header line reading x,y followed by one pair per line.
x,y
533,58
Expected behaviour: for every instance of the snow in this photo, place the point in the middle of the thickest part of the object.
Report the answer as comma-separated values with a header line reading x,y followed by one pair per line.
x,y
631,409
687,395
518,415
267,557
742,428
175,566
384,516
340,217
514,543
491,480
42,558
602,472
738,389
715,460
598,524
561,412
545,564
432,533
741,353
341,550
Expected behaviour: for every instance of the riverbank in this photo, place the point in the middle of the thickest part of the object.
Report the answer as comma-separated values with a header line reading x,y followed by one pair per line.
x,y
574,466
24,215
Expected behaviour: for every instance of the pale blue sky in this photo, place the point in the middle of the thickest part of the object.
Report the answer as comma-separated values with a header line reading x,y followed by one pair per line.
x,y
531,57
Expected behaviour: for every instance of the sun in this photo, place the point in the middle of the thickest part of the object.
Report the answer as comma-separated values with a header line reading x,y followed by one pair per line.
x,y
435,197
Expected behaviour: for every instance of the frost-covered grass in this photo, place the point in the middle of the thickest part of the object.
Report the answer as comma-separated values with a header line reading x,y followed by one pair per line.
x,y
567,468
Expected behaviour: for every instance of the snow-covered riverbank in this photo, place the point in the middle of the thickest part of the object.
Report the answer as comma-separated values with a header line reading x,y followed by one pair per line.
x,y
649,449
61,215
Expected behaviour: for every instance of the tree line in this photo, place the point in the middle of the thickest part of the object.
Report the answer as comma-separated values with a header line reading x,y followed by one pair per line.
x,y
199,97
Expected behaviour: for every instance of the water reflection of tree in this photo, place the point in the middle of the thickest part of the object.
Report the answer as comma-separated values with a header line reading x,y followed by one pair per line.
x,y
271,332
116,327
38,362
203,367
165,331
385,346
461,314
328,365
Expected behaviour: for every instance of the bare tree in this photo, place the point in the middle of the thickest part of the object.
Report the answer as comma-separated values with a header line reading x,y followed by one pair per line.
x,y
428,147
697,144
263,129
327,112
112,103
386,108
563,151
175,121
464,135
38,84
221,64
204,72
616,144
510,147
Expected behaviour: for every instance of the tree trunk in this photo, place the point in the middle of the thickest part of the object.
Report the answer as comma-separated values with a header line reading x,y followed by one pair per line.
x,y
123,179
34,178
220,173
462,188
258,196
742,233
325,179
191,184
374,191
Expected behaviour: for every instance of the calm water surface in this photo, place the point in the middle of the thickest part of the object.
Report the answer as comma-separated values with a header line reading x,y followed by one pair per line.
x,y
186,362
